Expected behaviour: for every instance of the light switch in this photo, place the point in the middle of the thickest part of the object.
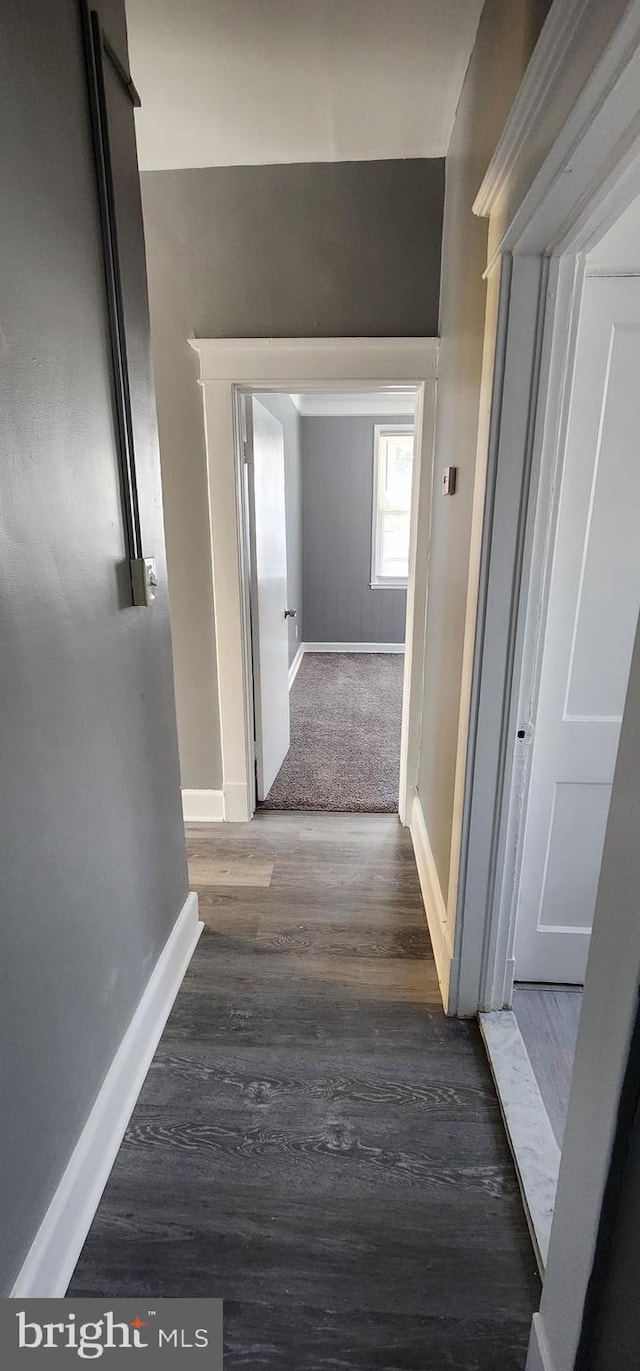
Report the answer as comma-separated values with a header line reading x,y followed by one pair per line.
x,y
449,480
144,580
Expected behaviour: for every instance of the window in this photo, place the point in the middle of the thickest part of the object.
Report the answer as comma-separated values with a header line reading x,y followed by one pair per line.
x,y
392,472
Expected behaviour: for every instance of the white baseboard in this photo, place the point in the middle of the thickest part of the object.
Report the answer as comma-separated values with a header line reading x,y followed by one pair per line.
x,y
236,802
539,1357
295,665
203,806
433,899
51,1260
353,647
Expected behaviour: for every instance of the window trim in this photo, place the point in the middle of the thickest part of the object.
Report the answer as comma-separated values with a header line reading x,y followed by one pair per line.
x,y
377,581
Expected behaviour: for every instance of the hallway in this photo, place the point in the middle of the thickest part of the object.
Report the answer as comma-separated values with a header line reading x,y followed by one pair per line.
x,y
315,1141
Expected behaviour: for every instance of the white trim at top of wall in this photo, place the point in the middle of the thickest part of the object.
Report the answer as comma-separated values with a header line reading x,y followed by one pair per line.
x,y
433,900
556,37
318,362
353,647
203,806
50,1262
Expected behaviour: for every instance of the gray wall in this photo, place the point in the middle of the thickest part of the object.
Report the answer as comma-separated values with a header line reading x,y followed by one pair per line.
x,y
339,604
92,865
284,409
344,248
328,249
506,37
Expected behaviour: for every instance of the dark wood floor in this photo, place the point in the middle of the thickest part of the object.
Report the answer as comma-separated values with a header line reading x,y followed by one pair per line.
x,y
315,1141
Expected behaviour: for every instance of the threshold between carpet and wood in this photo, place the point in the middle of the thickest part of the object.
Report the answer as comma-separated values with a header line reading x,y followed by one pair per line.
x,y
531,1050
548,1018
315,1141
346,713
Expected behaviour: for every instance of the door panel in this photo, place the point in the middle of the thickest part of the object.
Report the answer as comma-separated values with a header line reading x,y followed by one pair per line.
x,y
269,593
588,639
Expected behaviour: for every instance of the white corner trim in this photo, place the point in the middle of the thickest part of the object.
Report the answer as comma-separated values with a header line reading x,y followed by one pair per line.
x,y
295,665
558,32
353,647
539,1357
50,1262
435,907
236,803
203,806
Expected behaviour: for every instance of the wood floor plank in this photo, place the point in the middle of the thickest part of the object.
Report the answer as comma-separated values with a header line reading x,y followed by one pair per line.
x,y
206,871
315,1141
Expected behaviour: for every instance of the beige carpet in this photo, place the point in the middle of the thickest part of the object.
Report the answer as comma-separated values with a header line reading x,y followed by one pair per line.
x,y
346,711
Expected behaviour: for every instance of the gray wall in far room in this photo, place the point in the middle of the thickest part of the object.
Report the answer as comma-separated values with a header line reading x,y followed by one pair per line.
x,y
338,602
284,409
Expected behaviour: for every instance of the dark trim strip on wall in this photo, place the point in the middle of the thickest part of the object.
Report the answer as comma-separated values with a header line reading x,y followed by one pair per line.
x,y
95,48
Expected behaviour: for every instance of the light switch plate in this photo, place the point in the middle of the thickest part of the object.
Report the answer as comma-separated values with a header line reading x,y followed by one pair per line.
x,y
449,480
144,580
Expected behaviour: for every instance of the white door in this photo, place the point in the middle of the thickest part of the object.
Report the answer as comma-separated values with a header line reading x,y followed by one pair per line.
x,y
265,456
588,639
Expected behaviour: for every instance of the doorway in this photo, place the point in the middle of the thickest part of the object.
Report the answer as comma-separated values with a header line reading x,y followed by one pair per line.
x,y
579,627
231,369
328,486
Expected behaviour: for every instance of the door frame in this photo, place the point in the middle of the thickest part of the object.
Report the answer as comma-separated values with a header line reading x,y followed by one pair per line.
x,y
542,222
230,368
567,165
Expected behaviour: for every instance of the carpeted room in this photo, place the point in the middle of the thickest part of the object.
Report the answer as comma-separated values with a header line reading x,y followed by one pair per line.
x,y
346,713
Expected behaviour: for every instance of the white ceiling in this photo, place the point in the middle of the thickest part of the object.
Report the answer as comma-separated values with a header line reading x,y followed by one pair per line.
x,y
243,82
376,404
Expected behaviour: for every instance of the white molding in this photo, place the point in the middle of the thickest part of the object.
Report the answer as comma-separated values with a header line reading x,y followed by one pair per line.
x,y
295,665
340,363
237,803
434,904
551,50
538,1357
229,368
202,806
353,647
416,612
51,1260
589,174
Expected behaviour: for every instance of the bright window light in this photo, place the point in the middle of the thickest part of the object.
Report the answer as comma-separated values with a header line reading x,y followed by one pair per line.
x,y
392,473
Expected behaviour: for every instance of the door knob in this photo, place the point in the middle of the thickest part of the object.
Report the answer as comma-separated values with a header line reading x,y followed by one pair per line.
x,y
290,613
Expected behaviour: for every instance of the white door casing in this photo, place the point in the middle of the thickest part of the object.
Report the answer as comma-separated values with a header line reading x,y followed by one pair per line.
x,y
229,368
594,596
267,518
